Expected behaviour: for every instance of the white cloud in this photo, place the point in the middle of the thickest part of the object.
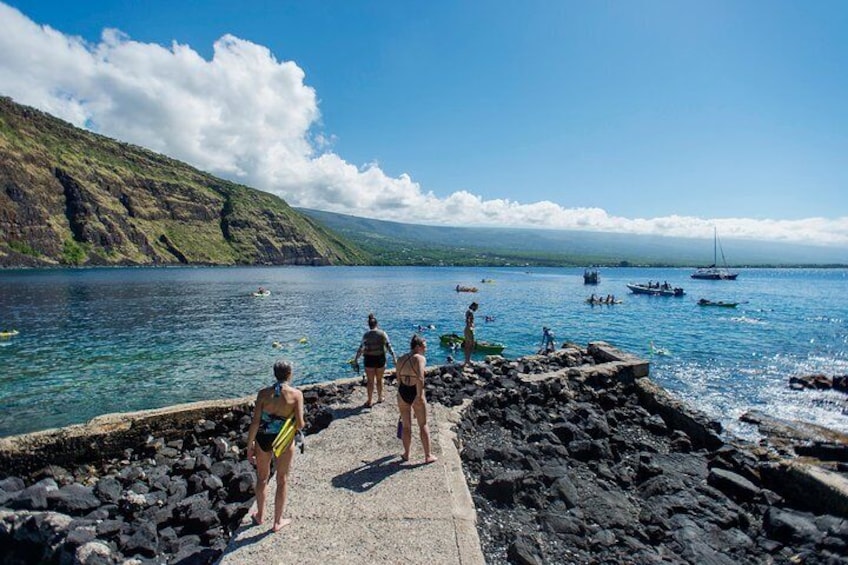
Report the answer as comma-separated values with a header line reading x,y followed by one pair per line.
x,y
247,116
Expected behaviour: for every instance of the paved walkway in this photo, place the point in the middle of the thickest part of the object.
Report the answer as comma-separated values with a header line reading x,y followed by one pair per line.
x,y
352,500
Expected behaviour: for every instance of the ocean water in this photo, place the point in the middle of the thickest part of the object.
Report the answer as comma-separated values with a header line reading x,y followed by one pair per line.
x,y
95,341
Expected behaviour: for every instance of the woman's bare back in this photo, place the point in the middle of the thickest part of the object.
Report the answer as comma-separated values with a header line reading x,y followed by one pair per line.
x,y
284,405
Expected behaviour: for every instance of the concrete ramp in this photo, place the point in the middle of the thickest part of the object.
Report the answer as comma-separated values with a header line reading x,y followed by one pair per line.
x,y
353,500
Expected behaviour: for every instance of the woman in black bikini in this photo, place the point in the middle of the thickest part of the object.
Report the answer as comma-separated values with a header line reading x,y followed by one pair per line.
x,y
274,406
410,375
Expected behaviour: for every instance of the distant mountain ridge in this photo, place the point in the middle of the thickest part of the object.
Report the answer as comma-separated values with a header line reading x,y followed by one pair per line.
x,y
400,243
72,197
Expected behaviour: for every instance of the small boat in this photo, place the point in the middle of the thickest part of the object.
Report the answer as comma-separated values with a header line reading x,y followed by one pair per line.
x,y
714,273
591,276
454,340
451,339
488,347
8,333
719,303
262,293
656,290
460,288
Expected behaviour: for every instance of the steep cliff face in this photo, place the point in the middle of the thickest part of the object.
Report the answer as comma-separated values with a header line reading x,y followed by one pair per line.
x,y
70,197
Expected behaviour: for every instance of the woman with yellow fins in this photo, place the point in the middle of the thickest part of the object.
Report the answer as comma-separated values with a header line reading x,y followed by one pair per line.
x,y
277,418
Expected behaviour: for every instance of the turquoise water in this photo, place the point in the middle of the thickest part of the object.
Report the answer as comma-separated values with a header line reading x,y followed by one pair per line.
x,y
95,341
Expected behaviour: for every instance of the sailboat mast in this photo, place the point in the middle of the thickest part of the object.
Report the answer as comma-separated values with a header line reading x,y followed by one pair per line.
x,y
723,260
715,241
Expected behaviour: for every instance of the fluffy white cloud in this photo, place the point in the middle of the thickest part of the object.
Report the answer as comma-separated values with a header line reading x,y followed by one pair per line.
x,y
246,116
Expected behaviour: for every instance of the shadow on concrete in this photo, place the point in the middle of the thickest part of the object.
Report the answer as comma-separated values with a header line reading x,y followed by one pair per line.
x,y
255,538
369,474
326,416
342,413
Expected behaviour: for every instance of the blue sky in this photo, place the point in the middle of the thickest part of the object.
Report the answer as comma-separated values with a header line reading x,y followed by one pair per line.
x,y
664,117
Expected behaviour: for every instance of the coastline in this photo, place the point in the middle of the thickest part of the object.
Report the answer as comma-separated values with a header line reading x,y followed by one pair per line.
x,y
61,375
196,488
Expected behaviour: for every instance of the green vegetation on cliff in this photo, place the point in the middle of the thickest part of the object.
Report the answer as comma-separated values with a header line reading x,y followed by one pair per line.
x,y
71,197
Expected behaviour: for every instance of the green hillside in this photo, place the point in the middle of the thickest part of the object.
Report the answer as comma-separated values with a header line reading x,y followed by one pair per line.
x,y
71,197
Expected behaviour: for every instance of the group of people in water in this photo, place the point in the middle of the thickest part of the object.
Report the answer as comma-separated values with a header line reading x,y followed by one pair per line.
x,y
609,299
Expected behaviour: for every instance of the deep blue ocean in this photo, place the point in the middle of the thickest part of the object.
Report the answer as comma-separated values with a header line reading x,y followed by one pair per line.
x,y
95,341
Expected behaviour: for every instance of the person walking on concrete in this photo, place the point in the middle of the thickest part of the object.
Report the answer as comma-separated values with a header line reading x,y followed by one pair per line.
x,y
410,377
375,344
277,419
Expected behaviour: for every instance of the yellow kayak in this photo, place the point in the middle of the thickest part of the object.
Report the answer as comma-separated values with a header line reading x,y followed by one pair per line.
x,y
9,333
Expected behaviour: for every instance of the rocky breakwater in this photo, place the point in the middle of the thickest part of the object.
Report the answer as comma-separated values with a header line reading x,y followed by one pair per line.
x,y
572,457
575,457
159,486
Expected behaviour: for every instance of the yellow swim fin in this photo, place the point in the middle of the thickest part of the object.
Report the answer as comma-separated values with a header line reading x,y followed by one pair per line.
x,y
285,437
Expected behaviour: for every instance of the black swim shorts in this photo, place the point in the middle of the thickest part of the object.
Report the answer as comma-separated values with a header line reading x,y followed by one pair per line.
x,y
374,361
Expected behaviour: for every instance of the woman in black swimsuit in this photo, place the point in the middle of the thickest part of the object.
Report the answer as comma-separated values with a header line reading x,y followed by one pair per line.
x,y
274,405
410,375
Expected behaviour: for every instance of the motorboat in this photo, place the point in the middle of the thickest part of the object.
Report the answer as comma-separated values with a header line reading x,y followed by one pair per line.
x,y
655,289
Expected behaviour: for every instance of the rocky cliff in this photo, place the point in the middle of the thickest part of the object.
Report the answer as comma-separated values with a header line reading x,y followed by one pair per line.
x,y
71,197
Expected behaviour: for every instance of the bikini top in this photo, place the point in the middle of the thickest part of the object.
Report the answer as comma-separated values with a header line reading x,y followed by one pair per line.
x,y
403,363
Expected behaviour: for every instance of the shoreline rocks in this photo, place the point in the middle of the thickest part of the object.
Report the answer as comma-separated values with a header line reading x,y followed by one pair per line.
x,y
570,457
819,382
571,468
175,497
